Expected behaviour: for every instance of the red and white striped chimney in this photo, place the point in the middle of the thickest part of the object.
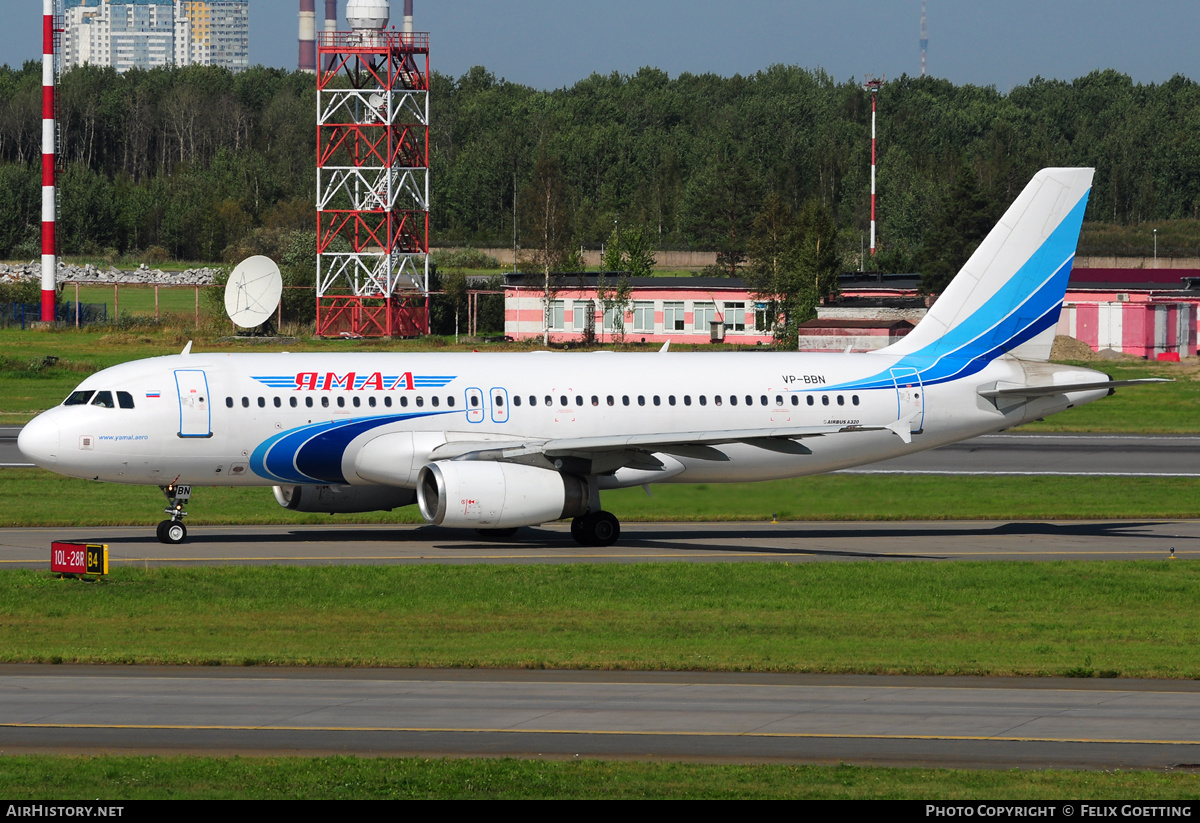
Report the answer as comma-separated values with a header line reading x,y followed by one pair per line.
x,y
331,26
308,36
49,260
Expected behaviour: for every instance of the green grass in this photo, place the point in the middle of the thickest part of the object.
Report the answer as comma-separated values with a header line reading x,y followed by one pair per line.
x,y
139,300
1134,619
116,778
33,497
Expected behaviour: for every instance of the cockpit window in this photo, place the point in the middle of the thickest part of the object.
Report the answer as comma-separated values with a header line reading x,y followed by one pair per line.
x,y
79,398
125,400
104,399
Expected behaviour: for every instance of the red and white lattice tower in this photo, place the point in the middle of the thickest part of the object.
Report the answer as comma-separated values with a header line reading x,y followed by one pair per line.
x,y
873,85
49,254
372,177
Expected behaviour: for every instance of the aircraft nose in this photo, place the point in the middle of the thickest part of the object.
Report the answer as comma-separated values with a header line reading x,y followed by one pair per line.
x,y
38,441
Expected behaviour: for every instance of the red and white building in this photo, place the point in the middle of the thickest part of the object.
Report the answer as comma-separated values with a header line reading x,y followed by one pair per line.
x,y
1150,313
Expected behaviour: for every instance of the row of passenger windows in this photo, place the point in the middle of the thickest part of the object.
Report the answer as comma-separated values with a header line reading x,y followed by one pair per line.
x,y
563,400
657,400
104,399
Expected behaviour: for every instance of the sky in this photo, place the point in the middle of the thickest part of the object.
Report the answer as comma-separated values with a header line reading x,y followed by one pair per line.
x,y
550,44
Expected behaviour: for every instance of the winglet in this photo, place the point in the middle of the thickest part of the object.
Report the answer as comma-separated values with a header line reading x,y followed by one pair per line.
x,y
664,348
188,348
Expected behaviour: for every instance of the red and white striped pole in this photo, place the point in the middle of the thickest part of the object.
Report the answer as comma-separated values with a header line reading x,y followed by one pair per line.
x,y
49,260
873,87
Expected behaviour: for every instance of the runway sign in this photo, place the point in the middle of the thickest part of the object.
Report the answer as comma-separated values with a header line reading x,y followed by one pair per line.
x,y
79,558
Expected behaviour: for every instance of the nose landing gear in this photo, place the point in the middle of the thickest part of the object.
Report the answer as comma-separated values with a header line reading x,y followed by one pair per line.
x,y
173,531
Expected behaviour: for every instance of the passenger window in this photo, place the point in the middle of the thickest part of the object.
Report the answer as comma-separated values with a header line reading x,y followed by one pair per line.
x,y
795,400
717,399
624,400
687,400
308,402
779,400
595,400
549,400
78,398
325,402
125,400
641,400
229,402
811,400
103,399
750,400
733,399
762,400
403,401
579,400
854,399
420,400
341,401
474,401
841,400
516,399
435,400
450,401
657,400
610,400
671,399
278,402
703,400
562,400
262,402
356,401
824,400
387,400
245,402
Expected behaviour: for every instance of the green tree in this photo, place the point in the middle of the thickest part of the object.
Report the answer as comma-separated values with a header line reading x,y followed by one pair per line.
x,y
966,218
794,263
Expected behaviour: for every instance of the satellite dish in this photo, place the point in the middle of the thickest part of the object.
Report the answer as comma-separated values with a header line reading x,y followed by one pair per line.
x,y
253,291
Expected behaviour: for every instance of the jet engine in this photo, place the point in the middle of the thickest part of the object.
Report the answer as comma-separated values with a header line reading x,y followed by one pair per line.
x,y
488,495
343,499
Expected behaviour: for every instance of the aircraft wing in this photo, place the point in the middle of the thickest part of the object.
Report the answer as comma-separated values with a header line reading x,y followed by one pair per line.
x,y
614,451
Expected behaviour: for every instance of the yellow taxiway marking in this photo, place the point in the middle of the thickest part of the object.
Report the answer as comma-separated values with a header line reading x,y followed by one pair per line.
x,y
281,558
637,733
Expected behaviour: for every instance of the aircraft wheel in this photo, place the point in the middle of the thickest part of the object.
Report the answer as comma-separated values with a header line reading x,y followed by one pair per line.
x,y
598,529
497,534
577,530
172,532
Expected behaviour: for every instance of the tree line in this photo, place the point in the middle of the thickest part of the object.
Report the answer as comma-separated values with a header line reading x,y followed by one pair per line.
x,y
191,162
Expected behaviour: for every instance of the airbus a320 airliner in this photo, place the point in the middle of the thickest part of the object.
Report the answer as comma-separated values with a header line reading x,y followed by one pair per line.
x,y
497,441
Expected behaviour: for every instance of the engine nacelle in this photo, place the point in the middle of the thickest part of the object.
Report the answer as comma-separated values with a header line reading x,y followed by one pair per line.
x,y
486,495
343,499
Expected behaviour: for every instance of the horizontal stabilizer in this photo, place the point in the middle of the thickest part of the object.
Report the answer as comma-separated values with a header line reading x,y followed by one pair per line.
x,y
1039,391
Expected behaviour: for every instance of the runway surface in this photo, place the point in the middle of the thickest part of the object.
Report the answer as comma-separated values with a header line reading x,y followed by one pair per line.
x,y
961,722
1023,454
949,722
926,541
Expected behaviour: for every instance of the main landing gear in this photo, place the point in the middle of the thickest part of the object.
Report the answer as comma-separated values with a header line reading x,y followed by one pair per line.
x,y
173,531
598,528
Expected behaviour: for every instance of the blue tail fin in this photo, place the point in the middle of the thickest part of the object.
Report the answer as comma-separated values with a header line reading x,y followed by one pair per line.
x,y
1007,297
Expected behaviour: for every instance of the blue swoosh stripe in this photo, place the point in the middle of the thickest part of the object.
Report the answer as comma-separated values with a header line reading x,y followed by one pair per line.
x,y
313,453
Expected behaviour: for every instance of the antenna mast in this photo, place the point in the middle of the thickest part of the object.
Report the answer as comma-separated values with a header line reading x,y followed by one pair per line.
x,y
924,37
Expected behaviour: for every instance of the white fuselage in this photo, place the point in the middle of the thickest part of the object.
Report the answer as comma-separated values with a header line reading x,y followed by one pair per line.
x,y
302,418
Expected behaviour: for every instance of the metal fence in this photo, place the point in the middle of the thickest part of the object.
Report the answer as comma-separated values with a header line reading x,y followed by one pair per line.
x,y
82,314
